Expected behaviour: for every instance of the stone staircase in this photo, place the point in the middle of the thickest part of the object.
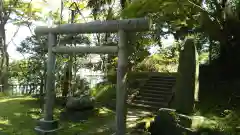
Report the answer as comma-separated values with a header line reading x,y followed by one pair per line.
x,y
155,93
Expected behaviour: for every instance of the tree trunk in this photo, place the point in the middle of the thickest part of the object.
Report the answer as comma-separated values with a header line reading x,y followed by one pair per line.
x,y
43,86
4,64
210,52
45,76
66,82
31,87
41,98
4,59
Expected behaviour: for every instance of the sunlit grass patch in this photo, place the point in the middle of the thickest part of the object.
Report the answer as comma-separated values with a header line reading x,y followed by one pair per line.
x,y
19,116
15,114
6,99
5,122
104,110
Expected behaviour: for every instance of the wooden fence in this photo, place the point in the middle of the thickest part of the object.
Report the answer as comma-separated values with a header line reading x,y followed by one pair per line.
x,y
22,89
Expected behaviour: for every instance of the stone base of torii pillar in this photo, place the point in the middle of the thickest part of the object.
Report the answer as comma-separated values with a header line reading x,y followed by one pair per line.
x,y
45,127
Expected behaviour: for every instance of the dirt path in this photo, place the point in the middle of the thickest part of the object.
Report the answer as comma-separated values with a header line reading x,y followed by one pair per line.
x,y
108,128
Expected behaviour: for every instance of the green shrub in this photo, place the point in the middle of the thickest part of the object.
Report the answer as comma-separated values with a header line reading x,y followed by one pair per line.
x,y
136,79
158,63
137,75
133,78
2,94
104,92
111,76
5,94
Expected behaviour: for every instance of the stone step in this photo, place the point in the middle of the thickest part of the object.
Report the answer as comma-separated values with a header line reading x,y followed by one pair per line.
x,y
151,103
162,78
173,74
156,95
160,82
167,76
159,91
151,108
155,88
158,85
145,107
156,99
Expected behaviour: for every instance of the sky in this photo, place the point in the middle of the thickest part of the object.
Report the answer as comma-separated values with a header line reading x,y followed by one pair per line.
x,y
24,32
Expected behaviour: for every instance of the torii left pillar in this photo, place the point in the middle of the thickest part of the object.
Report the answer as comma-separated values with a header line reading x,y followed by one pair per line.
x,y
47,125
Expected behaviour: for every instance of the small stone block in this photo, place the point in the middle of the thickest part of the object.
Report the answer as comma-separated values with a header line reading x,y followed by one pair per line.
x,y
48,125
185,121
238,129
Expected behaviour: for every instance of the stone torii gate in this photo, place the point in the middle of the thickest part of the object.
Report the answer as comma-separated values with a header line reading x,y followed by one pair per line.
x,y
48,125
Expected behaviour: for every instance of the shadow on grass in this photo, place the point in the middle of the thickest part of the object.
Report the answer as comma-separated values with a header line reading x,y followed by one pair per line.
x,y
18,116
101,123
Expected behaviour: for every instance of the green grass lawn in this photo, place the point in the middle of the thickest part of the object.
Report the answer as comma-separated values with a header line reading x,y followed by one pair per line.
x,y
18,116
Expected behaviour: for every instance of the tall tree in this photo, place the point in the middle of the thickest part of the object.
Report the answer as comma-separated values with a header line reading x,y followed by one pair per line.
x,y
36,48
216,21
17,12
